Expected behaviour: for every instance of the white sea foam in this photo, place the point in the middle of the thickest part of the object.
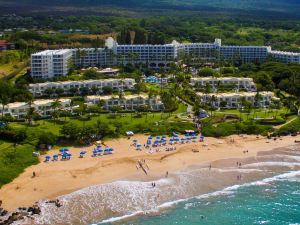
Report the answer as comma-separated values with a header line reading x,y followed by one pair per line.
x,y
132,198
272,164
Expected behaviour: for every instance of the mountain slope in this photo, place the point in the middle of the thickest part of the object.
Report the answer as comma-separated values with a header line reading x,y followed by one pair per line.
x,y
287,6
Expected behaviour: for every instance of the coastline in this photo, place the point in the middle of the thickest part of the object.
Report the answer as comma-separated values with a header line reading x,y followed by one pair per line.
x,y
55,179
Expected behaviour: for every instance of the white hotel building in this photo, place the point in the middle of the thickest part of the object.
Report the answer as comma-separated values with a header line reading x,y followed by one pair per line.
x,y
51,63
127,102
233,100
239,82
38,89
43,107
287,57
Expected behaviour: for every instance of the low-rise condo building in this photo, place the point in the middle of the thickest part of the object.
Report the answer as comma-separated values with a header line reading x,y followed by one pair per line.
x,y
234,100
127,102
238,82
39,89
42,107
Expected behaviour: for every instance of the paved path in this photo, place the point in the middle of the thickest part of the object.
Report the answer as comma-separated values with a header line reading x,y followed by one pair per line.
x,y
281,125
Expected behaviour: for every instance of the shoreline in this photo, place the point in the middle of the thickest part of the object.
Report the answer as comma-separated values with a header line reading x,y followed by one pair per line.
x,y
54,179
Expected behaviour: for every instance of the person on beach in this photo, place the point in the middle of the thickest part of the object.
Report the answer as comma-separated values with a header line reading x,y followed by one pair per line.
x,y
33,174
209,166
167,174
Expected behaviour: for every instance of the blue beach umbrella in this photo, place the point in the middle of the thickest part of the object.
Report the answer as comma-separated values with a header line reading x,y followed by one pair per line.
x,y
135,141
164,136
83,153
47,157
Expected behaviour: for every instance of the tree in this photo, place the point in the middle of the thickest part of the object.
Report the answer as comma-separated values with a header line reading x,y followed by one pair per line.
x,y
264,81
30,112
48,92
223,104
6,93
207,72
107,90
55,105
246,105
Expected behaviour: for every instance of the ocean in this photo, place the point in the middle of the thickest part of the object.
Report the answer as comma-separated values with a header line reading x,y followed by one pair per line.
x,y
273,201
262,190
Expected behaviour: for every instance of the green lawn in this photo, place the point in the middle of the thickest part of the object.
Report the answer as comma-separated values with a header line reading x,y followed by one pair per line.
x,y
14,159
128,121
258,113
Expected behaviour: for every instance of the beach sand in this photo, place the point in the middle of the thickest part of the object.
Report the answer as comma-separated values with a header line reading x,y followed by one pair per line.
x,y
54,179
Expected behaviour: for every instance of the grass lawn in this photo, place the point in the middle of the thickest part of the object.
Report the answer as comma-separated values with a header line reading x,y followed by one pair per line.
x,y
17,67
258,113
128,121
13,160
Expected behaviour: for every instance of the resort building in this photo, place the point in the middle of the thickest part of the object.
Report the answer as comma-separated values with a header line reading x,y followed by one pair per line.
x,y
42,107
127,102
51,63
40,89
234,100
6,45
287,57
238,82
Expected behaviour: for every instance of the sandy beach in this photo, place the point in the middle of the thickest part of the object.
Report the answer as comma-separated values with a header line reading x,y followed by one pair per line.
x,y
54,179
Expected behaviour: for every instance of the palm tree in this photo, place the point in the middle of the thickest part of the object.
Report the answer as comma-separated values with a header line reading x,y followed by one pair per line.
x,y
55,105
30,111
257,99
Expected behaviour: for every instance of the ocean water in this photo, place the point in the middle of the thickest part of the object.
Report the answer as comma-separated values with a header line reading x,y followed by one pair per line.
x,y
264,190
275,201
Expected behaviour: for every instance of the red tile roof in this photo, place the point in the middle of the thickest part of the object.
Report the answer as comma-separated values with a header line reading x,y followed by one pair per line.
x,y
4,43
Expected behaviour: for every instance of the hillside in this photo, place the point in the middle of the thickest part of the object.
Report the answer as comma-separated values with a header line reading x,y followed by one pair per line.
x,y
27,6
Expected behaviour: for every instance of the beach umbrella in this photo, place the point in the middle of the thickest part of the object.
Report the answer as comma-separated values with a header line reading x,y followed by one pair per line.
x,y
158,137
138,145
182,139
95,151
65,155
135,141
48,157
69,155
164,136
82,153
149,137
176,139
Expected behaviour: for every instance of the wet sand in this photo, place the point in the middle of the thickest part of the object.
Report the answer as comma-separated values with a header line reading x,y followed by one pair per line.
x,y
54,179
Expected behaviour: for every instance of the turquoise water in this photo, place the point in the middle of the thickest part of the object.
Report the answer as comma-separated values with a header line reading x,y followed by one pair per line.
x,y
276,202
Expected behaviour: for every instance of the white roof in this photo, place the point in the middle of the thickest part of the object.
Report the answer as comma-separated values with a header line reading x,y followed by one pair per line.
x,y
52,52
237,94
285,53
222,78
